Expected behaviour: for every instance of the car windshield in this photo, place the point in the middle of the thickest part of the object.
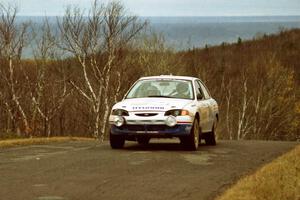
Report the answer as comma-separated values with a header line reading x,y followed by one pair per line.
x,y
181,89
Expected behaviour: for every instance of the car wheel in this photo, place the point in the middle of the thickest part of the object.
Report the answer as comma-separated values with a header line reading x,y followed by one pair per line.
x,y
116,141
200,136
192,141
210,138
183,140
143,141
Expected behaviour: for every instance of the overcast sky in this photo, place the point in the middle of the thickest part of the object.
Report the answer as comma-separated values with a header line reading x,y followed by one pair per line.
x,y
170,7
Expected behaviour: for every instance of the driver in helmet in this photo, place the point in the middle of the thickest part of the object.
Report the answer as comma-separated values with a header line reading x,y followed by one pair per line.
x,y
182,91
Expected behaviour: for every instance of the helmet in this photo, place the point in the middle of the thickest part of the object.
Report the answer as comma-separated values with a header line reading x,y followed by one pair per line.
x,y
152,91
182,88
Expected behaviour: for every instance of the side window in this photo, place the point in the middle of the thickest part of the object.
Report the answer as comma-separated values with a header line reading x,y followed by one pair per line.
x,y
205,91
198,89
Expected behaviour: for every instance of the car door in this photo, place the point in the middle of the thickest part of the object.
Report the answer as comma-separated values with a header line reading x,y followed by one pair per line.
x,y
211,104
202,107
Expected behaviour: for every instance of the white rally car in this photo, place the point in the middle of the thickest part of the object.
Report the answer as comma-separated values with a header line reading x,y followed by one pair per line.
x,y
165,107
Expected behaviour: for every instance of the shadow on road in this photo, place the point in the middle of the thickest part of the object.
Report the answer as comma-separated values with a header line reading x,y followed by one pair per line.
x,y
157,146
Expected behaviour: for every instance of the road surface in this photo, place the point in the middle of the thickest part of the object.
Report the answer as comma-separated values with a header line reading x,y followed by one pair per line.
x,y
161,170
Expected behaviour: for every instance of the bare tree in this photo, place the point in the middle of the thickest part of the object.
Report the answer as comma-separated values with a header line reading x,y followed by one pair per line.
x,y
242,110
94,41
229,110
153,54
273,97
13,38
44,102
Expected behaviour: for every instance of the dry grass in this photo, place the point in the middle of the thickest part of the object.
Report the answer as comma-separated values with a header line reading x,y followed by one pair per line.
x,y
30,141
278,180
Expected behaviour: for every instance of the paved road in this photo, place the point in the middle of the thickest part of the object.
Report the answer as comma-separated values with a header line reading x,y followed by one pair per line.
x,y
161,170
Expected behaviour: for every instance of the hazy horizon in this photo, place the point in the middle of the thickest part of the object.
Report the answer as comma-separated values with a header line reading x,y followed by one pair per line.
x,y
188,32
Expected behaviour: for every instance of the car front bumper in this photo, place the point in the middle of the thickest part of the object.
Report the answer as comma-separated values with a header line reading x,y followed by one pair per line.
x,y
152,130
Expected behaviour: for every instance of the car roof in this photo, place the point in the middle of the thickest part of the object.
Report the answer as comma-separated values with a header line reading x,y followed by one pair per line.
x,y
168,77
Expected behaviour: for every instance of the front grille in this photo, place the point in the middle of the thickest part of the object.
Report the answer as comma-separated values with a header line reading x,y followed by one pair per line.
x,y
146,127
146,114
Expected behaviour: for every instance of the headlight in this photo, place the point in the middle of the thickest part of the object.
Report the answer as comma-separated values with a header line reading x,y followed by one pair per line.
x,y
177,112
120,112
119,121
171,121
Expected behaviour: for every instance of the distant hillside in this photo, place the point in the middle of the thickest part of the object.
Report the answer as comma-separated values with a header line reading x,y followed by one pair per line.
x,y
256,82
284,46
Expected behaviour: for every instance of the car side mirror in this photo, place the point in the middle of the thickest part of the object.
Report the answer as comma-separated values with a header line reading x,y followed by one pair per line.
x,y
199,96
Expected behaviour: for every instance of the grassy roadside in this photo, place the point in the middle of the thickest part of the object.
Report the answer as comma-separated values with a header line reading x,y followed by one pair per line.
x,y
30,141
278,180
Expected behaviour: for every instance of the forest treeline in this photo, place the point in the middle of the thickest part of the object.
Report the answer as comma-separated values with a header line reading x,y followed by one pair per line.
x,y
86,64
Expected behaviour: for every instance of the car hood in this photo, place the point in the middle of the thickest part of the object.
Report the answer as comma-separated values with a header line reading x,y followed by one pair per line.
x,y
152,104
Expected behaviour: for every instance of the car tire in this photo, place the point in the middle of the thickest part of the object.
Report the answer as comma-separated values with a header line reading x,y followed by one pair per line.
x,y
143,140
182,140
210,138
192,141
116,141
200,136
